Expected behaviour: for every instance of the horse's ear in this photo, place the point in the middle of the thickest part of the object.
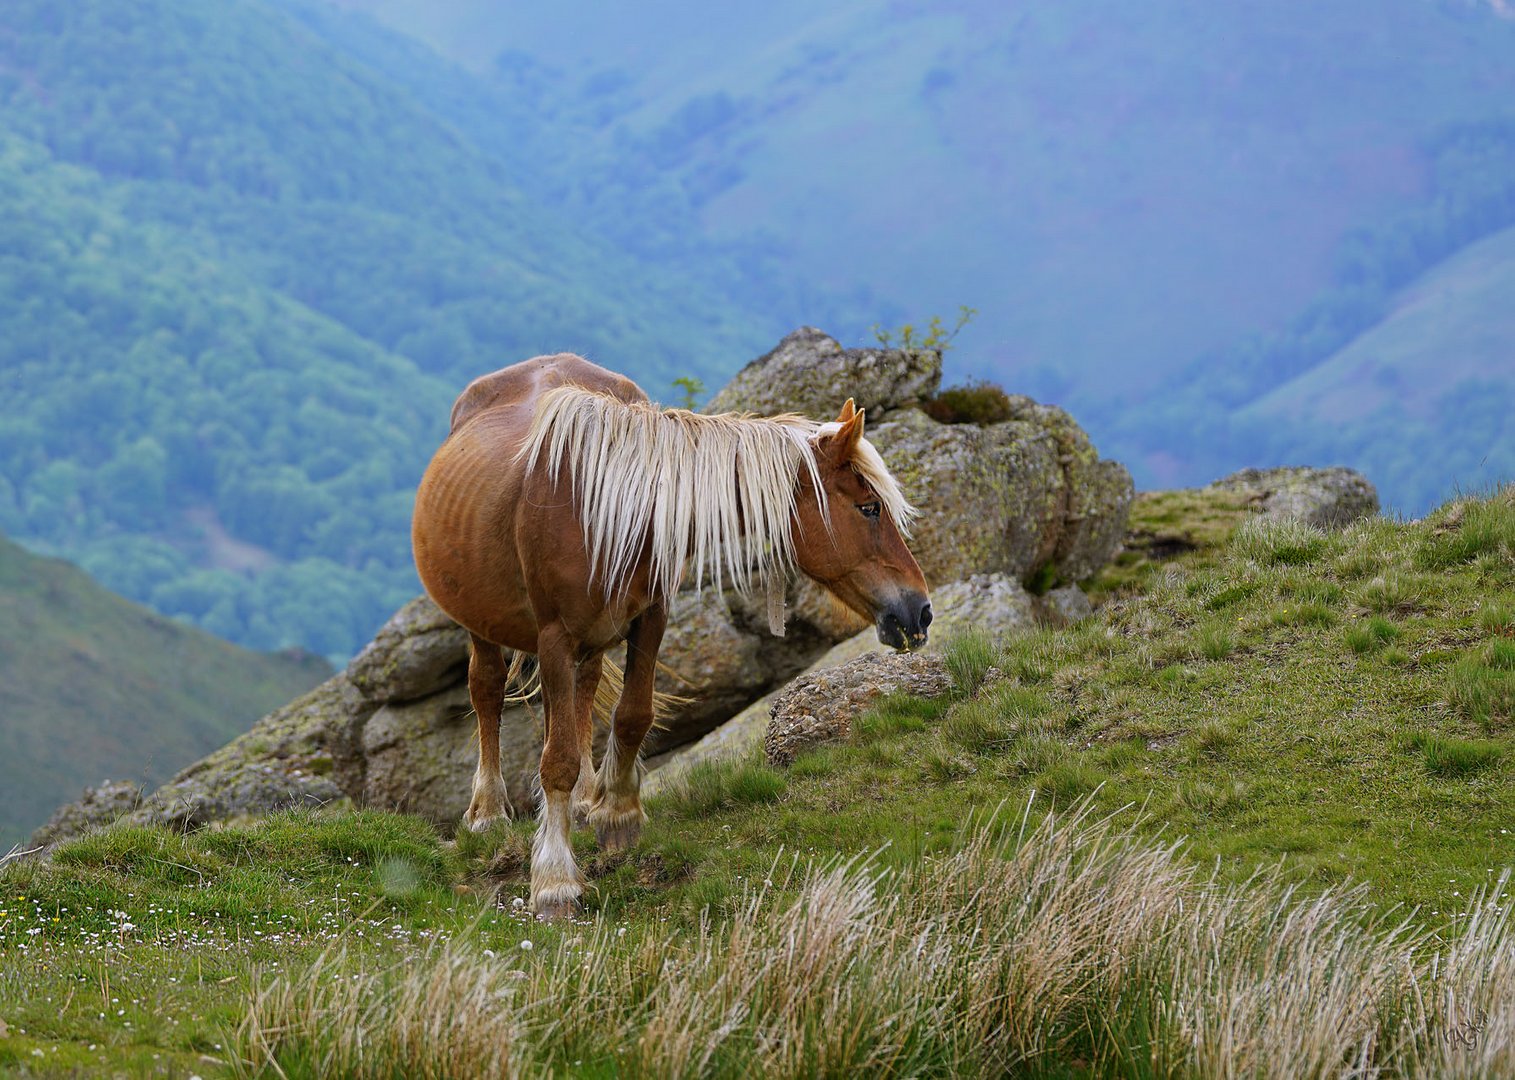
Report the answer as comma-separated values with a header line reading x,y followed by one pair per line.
x,y
841,445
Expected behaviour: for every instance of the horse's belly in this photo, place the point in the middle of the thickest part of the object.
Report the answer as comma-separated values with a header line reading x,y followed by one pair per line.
x,y
465,546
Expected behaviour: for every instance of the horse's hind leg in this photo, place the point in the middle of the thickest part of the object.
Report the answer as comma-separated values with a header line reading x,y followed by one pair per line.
x,y
617,811
486,689
555,880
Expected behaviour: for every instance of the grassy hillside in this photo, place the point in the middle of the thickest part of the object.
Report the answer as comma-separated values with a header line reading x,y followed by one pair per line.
x,y
1452,325
1423,397
1246,730
94,687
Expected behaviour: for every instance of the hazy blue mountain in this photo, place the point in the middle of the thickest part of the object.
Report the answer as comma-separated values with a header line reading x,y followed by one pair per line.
x,y
1115,187
1163,213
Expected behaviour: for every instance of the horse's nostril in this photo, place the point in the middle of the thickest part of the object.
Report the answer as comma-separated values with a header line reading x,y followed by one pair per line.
x,y
925,616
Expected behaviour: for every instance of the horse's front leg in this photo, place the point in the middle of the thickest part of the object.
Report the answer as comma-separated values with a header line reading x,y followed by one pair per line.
x,y
617,811
586,683
486,690
555,880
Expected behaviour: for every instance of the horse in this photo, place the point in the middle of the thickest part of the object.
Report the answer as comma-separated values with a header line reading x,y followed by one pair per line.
x,y
560,516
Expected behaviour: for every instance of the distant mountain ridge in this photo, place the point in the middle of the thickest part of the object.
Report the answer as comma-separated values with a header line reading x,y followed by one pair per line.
x,y
1184,170
93,686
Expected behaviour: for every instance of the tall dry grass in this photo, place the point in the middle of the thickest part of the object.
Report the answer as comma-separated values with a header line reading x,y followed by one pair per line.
x,y
1030,949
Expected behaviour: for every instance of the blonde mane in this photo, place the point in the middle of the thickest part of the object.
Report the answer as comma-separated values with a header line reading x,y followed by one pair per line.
x,y
713,493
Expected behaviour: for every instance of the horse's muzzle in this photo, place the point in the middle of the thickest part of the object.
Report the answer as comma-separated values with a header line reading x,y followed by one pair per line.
x,y
902,624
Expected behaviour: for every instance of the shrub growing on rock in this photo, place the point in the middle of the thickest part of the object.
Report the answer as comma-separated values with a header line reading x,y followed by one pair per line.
x,y
980,403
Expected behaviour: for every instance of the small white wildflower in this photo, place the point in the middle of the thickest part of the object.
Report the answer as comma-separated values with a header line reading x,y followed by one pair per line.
x,y
527,945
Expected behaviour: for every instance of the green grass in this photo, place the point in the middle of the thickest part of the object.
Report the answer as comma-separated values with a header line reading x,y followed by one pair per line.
x,y
1362,749
969,657
1452,757
1470,529
1278,543
1370,635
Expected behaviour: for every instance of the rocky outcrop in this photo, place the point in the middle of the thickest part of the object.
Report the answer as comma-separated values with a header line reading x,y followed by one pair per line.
x,y
1027,497
1326,498
820,707
811,374
106,804
419,756
995,604
417,652
1022,501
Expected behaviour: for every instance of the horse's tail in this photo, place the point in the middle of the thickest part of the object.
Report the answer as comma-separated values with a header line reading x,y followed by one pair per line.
x,y
525,677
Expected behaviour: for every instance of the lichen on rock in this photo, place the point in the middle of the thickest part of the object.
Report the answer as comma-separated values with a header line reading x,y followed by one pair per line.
x,y
809,373
1327,498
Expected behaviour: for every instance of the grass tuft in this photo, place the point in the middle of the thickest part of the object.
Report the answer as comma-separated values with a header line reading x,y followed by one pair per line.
x,y
1470,529
969,657
716,785
1305,615
1482,693
1497,617
1455,758
1215,641
978,727
1278,543
1384,595
1500,655
1370,635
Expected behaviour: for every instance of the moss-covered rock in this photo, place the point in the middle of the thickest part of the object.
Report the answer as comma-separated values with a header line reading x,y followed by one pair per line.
x,y
418,651
819,707
810,374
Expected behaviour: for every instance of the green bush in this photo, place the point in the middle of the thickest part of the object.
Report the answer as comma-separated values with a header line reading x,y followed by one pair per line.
x,y
979,403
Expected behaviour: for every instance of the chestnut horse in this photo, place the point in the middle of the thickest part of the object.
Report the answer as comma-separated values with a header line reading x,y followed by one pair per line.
x,y
560,517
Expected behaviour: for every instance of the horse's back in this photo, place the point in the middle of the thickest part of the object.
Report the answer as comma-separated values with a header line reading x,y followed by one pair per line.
x,y
521,384
469,504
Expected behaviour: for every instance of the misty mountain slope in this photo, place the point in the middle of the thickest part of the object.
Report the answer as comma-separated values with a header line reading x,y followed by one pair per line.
x,y
1116,188
94,687
1425,396
1453,324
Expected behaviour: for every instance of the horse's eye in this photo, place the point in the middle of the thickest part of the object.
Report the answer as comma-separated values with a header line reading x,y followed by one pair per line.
x,y
869,510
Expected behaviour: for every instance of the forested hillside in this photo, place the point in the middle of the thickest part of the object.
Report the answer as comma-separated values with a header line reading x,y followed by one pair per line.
x,y
92,686
241,278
